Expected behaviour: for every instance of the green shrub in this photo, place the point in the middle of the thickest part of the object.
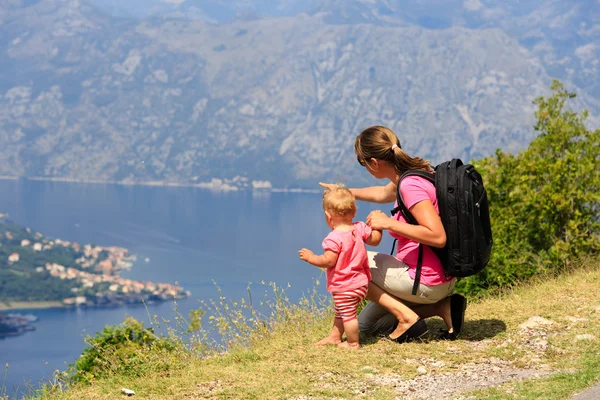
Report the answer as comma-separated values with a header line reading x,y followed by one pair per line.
x,y
544,201
127,349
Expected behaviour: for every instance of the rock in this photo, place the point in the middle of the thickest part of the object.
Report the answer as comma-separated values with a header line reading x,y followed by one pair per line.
x,y
535,322
586,336
421,370
128,392
540,344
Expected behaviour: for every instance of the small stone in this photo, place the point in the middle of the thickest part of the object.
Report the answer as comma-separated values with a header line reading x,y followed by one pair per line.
x,y
421,370
540,343
535,322
586,336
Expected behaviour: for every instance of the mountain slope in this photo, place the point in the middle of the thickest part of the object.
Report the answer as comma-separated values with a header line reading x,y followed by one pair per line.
x,y
90,96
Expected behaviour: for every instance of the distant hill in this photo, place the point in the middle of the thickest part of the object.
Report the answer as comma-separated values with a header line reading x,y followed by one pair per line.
x,y
187,91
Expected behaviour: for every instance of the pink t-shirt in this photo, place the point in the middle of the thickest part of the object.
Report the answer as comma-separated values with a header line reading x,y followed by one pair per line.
x,y
415,189
351,270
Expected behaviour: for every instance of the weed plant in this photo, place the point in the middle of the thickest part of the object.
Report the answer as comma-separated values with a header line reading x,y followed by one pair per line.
x,y
218,326
3,393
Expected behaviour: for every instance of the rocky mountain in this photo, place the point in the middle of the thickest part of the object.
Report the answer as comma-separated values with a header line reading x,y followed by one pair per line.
x,y
175,94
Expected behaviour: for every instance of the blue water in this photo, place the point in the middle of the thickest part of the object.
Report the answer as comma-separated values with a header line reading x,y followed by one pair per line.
x,y
191,236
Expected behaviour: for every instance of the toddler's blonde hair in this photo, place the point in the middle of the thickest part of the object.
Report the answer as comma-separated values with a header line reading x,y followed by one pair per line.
x,y
339,201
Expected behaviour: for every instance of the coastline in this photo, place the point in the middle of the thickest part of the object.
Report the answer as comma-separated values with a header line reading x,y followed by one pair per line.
x,y
29,305
208,186
94,273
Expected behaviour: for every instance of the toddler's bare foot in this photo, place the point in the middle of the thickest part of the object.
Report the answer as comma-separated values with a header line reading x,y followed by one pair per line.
x,y
328,341
348,345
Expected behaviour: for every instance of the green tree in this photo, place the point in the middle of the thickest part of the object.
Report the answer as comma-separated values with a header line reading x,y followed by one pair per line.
x,y
545,201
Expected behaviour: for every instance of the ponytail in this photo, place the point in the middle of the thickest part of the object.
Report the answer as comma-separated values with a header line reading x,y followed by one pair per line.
x,y
381,143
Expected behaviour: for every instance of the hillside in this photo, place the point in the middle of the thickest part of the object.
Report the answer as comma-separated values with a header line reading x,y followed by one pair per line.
x,y
563,35
87,95
535,341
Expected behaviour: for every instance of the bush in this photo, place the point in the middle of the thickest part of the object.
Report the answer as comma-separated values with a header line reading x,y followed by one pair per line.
x,y
544,202
128,349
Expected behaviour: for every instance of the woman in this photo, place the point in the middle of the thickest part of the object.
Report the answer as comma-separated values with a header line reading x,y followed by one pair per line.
x,y
378,149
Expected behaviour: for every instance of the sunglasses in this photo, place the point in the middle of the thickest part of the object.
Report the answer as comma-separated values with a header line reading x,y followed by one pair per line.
x,y
361,161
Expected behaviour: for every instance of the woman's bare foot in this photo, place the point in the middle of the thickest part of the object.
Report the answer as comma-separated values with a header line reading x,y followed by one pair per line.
x,y
348,345
401,328
328,341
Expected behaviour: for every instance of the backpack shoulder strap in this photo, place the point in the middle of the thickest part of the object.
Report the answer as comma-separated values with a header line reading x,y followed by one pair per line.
x,y
401,206
411,219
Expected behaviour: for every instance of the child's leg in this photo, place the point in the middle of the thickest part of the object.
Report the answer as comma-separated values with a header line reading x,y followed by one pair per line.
x,y
347,304
335,336
351,329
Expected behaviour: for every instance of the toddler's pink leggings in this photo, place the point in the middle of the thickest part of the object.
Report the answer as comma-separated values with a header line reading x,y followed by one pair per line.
x,y
346,303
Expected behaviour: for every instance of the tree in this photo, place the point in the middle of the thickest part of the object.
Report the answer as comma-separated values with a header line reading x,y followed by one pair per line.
x,y
545,201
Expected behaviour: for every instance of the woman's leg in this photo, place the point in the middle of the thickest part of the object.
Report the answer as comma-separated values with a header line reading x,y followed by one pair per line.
x,y
405,317
388,284
391,285
440,309
376,320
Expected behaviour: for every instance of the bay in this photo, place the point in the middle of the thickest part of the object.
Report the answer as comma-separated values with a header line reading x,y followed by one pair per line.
x,y
194,237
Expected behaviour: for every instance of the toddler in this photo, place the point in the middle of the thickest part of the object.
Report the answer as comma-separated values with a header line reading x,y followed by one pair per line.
x,y
345,260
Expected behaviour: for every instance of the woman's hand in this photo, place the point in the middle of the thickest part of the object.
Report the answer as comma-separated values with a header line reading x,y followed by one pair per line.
x,y
328,186
378,220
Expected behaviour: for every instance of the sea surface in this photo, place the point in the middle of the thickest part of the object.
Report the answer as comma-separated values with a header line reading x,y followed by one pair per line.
x,y
200,239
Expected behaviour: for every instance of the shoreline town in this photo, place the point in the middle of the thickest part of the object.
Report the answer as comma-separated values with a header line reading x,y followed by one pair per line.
x,y
94,278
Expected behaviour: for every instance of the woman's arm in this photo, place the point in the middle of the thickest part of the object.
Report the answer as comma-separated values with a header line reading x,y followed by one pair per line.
x,y
430,230
372,194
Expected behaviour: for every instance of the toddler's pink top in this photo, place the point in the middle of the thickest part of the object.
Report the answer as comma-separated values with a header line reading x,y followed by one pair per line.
x,y
415,189
351,270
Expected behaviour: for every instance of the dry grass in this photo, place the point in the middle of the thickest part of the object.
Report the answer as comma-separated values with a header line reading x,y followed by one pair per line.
x,y
496,357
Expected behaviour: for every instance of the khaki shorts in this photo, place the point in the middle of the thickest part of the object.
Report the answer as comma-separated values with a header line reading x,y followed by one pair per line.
x,y
391,275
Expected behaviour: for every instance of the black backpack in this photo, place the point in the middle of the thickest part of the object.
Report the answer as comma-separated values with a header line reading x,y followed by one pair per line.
x,y
464,211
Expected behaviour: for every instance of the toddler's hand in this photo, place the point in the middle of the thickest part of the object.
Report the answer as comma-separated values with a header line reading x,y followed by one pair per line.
x,y
305,254
378,220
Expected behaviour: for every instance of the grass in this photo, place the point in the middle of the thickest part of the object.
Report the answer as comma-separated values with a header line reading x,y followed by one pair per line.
x,y
271,356
3,386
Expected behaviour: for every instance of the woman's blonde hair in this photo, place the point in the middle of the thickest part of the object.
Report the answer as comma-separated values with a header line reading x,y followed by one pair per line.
x,y
378,142
339,201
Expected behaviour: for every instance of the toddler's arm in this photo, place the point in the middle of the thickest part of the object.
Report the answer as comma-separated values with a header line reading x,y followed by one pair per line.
x,y
375,238
326,260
